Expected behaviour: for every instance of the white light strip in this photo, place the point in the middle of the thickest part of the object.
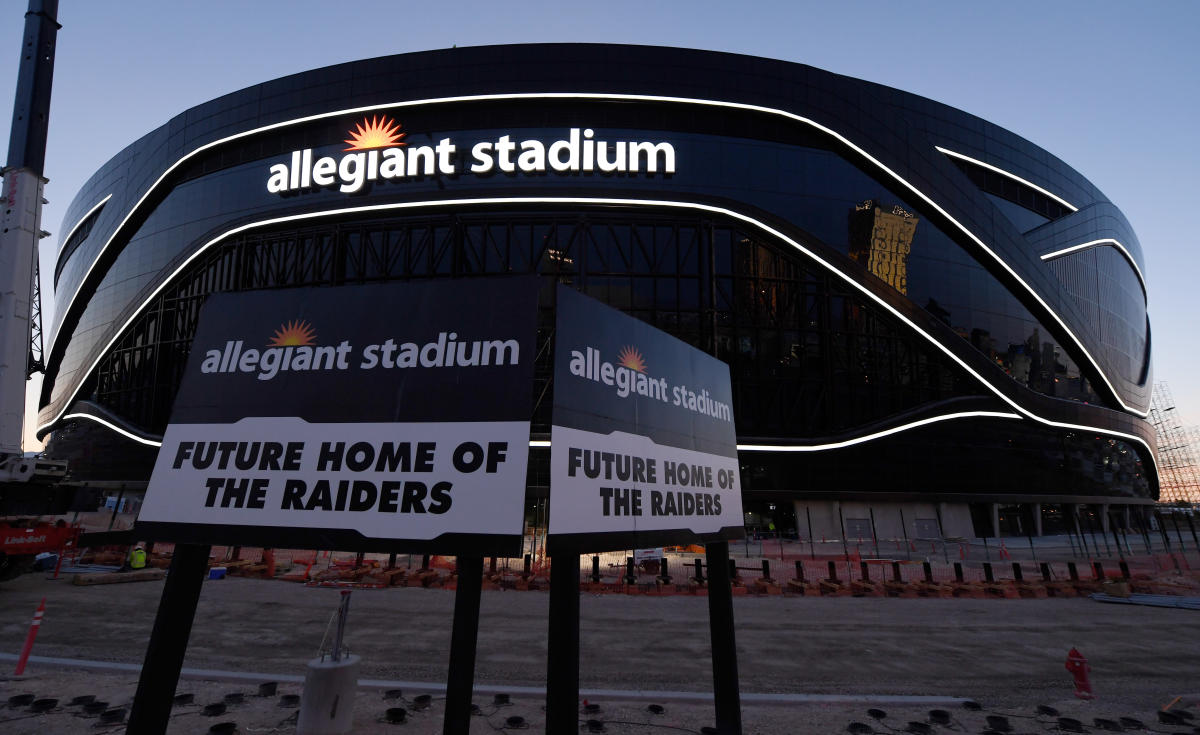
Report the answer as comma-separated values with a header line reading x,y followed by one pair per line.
x,y
876,435
850,281
1010,175
114,427
545,444
627,98
1097,243
62,243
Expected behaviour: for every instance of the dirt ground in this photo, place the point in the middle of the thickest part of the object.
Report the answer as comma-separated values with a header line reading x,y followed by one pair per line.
x,y
1006,654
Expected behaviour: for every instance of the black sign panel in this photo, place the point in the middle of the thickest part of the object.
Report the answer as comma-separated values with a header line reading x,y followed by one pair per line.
x,y
644,451
375,417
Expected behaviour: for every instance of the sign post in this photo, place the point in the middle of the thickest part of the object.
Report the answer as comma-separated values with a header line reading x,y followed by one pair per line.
x,y
464,636
389,418
168,641
643,454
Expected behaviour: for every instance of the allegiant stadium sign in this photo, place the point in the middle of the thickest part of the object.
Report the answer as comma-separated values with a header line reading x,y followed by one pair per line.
x,y
378,152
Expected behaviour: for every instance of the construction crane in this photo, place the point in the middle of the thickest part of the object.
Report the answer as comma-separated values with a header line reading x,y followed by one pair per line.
x,y
28,484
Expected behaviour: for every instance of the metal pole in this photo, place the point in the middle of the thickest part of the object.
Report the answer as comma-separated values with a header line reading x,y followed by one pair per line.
x,y
812,548
116,507
1162,529
1141,527
874,535
1179,535
1078,530
726,694
904,530
1092,530
1070,536
460,679
562,662
151,711
937,508
842,523
343,613
1192,527
1116,539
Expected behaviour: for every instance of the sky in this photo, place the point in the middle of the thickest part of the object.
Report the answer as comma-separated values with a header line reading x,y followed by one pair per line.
x,y
1112,88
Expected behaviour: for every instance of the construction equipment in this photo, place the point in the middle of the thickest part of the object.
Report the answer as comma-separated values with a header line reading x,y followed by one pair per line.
x,y
20,543
20,232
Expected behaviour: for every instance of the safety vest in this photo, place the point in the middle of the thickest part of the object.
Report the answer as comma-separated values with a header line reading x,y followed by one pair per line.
x,y
137,559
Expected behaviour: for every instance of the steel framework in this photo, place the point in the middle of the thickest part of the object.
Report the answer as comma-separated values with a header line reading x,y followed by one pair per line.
x,y
1178,469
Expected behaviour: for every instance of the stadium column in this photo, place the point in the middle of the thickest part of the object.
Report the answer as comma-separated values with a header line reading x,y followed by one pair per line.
x,y
151,710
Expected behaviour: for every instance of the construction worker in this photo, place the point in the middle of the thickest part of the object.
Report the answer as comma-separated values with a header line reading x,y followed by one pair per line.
x,y
137,557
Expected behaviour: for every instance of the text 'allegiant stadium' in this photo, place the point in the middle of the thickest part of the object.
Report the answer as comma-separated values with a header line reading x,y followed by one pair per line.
x,y
447,351
629,377
579,152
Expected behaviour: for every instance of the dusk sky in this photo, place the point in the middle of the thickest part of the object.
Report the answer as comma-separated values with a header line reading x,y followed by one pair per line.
x,y
1113,89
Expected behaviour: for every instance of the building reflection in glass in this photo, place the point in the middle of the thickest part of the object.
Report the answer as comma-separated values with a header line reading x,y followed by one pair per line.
x,y
880,240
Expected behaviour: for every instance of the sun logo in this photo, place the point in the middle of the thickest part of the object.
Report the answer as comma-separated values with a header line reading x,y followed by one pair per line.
x,y
629,357
378,132
293,334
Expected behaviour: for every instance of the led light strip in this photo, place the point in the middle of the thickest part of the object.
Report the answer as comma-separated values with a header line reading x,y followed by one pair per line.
x,y
876,435
114,427
545,444
1010,175
1097,243
625,98
559,201
82,219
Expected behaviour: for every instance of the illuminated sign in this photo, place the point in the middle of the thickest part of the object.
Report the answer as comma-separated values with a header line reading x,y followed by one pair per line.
x,y
378,152
643,449
370,417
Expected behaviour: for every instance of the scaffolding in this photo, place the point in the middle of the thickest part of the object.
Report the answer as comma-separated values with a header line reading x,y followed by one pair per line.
x,y
1178,469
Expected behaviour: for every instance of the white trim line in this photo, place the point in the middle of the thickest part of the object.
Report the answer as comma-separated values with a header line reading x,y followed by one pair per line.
x,y
545,444
82,219
1010,175
876,435
594,201
628,98
114,427
1097,243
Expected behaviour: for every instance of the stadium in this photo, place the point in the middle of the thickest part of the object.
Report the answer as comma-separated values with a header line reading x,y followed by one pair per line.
x,y
933,327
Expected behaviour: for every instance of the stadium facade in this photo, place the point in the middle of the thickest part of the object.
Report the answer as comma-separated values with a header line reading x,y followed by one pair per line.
x,y
933,326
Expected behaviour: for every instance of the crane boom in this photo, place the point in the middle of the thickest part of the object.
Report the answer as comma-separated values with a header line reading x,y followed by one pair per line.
x,y
20,227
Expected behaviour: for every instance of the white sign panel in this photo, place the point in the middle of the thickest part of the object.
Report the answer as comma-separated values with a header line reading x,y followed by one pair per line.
x,y
643,448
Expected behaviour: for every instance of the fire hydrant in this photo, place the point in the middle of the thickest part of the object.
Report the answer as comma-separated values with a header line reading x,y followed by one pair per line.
x,y
1078,666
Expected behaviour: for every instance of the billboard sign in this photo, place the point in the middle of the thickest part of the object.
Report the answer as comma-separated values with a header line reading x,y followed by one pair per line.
x,y
643,447
381,417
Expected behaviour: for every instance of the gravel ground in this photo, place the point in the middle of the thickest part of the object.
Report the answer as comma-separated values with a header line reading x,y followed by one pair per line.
x,y
1006,654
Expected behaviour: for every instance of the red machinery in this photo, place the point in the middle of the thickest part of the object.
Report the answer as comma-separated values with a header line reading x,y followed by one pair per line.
x,y
20,544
